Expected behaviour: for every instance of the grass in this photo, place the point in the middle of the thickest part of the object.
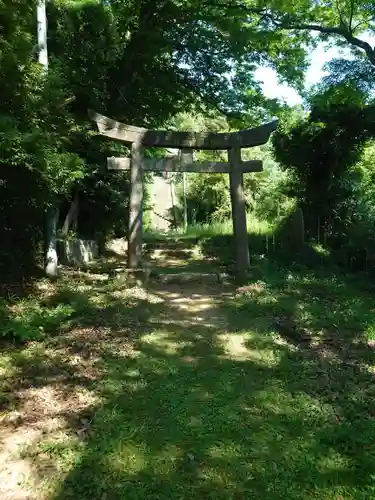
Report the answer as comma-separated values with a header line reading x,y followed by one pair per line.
x,y
254,226
224,228
196,393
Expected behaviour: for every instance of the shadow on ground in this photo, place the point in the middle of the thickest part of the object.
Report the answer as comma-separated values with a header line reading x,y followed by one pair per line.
x,y
198,392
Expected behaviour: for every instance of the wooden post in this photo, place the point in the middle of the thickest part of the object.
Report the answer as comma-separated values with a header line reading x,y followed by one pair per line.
x,y
135,208
238,213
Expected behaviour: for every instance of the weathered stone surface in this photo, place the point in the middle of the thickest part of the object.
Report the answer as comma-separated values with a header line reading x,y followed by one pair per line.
x,y
135,232
172,139
118,246
77,252
175,165
189,277
238,213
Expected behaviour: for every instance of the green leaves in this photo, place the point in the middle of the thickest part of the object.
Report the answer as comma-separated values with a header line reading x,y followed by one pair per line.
x,y
143,62
358,73
342,22
28,320
320,153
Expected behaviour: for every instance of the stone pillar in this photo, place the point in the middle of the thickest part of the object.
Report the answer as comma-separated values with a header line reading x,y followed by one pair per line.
x,y
135,208
238,214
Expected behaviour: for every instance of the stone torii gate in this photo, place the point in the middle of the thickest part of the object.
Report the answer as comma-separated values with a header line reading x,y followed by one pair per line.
x,y
186,142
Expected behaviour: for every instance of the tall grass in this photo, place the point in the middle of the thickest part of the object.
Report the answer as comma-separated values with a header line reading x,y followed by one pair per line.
x,y
222,228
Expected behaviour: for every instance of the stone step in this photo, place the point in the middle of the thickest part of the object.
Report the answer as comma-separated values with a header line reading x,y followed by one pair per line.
x,y
178,244
173,252
191,277
144,275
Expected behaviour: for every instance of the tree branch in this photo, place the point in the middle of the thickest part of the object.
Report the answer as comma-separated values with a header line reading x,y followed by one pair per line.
x,y
370,52
345,33
363,23
342,22
352,5
342,31
195,89
284,21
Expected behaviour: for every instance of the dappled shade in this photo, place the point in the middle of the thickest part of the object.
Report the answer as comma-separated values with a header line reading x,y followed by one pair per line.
x,y
175,391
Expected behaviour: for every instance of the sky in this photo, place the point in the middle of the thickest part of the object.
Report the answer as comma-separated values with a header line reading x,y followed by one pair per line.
x,y
318,58
273,89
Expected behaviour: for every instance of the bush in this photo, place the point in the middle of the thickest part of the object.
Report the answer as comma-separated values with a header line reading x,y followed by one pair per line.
x,y
208,198
25,320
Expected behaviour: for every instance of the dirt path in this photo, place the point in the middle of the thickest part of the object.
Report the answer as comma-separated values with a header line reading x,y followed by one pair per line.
x,y
50,387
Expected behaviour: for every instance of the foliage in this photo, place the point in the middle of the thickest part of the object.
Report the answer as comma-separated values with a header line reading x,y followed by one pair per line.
x,y
320,152
25,320
340,22
208,198
196,53
359,231
272,200
208,195
138,61
34,129
356,72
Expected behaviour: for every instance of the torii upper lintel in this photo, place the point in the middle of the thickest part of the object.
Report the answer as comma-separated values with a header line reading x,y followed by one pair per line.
x,y
182,140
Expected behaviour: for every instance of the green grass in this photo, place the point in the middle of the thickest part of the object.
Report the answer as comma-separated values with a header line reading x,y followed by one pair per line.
x,y
228,408
224,228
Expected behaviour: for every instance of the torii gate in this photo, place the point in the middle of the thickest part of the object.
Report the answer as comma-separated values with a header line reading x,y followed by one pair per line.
x,y
140,138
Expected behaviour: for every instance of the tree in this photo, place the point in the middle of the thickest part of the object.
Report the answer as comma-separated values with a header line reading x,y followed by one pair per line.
x,y
52,215
320,152
143,61
355,72
139,61
35,127
343,21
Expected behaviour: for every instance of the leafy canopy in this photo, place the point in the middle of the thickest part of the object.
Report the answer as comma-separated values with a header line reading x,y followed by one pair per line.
x,y
143,61
321,150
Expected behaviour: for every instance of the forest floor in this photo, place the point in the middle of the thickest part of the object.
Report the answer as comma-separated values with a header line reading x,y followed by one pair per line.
x,y
173,391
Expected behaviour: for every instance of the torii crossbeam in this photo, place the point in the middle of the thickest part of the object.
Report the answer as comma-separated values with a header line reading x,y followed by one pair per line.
x,y
140,138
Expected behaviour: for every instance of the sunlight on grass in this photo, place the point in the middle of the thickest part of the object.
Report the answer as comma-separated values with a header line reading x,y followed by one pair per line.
x,y
7,368
246,346
370,331
224,228
263,392
27,319
254,226
321,250
126,456
162,341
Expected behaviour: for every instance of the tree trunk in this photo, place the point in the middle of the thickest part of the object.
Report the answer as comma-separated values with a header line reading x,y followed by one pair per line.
x,y
51,260
52,215
42,33
71,216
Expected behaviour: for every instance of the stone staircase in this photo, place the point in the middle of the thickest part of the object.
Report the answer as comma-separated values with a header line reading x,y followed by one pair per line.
x,y
169,259
179,260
